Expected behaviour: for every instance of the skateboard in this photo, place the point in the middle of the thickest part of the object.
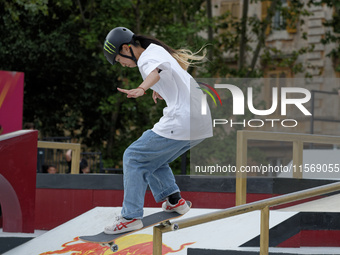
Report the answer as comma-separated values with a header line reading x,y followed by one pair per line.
x,y
162,218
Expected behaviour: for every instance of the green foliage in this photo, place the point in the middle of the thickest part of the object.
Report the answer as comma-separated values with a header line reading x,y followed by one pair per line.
x,y
228,39
33,7
69,86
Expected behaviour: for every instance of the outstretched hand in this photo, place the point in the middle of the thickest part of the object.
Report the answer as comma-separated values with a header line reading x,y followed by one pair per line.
x,y
132,93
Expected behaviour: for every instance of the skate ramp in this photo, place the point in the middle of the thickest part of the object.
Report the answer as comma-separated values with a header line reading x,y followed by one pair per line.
x,y
327,204
228,233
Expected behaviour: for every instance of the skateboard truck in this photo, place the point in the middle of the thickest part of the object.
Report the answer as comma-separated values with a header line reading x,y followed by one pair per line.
x,y
174,226
165,223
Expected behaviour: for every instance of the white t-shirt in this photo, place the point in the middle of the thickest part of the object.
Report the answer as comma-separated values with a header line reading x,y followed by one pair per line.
x,y
182,118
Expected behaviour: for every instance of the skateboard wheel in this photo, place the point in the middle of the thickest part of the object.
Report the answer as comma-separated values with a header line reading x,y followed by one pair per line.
x,y
114,248
175,227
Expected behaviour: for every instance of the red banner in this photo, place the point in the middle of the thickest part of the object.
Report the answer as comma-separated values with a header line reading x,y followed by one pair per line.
x,y
11,101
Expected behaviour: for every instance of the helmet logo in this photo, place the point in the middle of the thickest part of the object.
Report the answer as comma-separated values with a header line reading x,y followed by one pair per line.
x,y
109,47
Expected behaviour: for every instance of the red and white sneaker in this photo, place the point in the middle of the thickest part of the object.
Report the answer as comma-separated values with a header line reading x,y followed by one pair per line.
x,y
181,207
122,225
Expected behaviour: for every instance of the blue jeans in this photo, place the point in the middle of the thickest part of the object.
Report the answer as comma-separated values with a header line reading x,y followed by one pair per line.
x,y
146,162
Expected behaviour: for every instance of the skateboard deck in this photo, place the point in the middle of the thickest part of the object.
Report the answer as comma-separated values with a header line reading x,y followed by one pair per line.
x,y
148,221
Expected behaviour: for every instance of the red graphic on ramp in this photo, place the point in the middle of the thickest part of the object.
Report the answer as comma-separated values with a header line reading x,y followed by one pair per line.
x,y
146,249
141,247
80,248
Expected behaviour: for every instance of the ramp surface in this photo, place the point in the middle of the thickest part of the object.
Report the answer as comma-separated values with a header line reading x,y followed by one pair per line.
x,y
221,234
226,234
327,204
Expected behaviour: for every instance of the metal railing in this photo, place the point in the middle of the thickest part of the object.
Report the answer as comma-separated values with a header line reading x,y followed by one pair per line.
x,y
241,183
298,140
75,147
262,205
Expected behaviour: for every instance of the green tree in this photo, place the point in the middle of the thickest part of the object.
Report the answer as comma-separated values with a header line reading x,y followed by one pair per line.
x,y
235,37
69,86
61,75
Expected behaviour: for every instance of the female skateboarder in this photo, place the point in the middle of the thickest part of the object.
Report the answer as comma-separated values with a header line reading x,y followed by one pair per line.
x,y
182,126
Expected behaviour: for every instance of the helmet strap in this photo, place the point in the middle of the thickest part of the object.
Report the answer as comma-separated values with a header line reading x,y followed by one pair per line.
x,y
132,57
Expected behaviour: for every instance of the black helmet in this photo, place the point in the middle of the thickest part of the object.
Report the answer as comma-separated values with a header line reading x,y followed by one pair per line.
x,y
114,40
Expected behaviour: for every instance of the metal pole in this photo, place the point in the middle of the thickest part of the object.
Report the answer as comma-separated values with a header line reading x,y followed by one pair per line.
x,y
264,232
241,177
157,240
297,166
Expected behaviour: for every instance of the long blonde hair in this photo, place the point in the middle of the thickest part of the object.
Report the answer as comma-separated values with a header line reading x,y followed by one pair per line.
x,y
184,57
